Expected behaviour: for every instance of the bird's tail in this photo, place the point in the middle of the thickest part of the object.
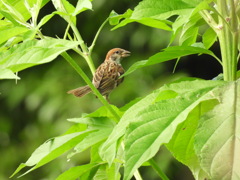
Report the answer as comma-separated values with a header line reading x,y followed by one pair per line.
x,y
81,91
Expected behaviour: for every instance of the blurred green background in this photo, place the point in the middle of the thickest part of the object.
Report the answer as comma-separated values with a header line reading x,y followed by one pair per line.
x,y
35,108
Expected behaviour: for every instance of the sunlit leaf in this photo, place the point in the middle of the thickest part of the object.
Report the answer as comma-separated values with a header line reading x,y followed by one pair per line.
x,y
82,5
209,38
19,6
115,18
8,74
146,21
156,124
77,171
45,19
66,8
217,142
51,150
109,148
169,53
162,9
35,52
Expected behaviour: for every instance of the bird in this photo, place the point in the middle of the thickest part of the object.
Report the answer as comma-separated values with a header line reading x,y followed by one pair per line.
x,y
106,78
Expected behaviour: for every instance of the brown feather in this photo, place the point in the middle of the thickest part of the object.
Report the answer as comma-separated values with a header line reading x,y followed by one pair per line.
x,y
106,77
81,91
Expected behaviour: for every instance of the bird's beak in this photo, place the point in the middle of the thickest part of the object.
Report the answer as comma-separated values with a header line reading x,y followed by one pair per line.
x,y
125,53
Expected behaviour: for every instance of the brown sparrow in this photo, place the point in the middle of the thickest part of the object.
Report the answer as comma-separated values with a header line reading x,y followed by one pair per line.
x,y
106,77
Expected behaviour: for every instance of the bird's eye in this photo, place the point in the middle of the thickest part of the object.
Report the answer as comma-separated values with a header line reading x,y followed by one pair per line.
x,y
117,52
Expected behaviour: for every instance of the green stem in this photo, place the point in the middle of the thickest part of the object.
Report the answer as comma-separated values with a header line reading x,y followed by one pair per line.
x,y
69,59
158,170
87,55
66,31
228,39
96,36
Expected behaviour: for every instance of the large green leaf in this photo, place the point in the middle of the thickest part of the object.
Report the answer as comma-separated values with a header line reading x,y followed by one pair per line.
x,y
217,141
181,144
51,150
155,13
77,171
169,53
11,32
18,6
156,124
162,9
31,53
109,148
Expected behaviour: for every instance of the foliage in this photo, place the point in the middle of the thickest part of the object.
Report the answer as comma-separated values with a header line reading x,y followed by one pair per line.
x,y
197,120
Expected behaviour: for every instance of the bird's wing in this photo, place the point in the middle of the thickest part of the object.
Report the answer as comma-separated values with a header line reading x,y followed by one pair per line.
x,y
106,76
97,78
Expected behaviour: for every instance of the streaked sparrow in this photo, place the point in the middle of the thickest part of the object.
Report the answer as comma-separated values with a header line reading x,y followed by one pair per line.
x,y
106,77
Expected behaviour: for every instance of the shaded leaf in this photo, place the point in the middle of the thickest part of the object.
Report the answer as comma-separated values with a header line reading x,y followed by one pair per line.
x,y
181,144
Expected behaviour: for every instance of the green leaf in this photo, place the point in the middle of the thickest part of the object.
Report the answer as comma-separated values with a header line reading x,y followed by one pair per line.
x,y
209,38
90,140
10,17
82,5
115,18
156,123
8,74
154,13
169,53
217,142
163,9
109,148
160,24
19,6
45,19
65,9
181,144
34,52
190,31
75,172
51,150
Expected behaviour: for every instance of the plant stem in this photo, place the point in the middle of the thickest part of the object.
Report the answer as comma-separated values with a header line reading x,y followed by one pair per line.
x,y
228,39
69,59
96,36
87,55
158,170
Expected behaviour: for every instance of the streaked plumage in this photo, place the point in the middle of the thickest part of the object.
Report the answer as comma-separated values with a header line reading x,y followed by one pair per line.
x,y
106,77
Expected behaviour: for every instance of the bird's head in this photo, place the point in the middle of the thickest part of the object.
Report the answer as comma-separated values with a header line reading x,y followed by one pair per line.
x,y
117,54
